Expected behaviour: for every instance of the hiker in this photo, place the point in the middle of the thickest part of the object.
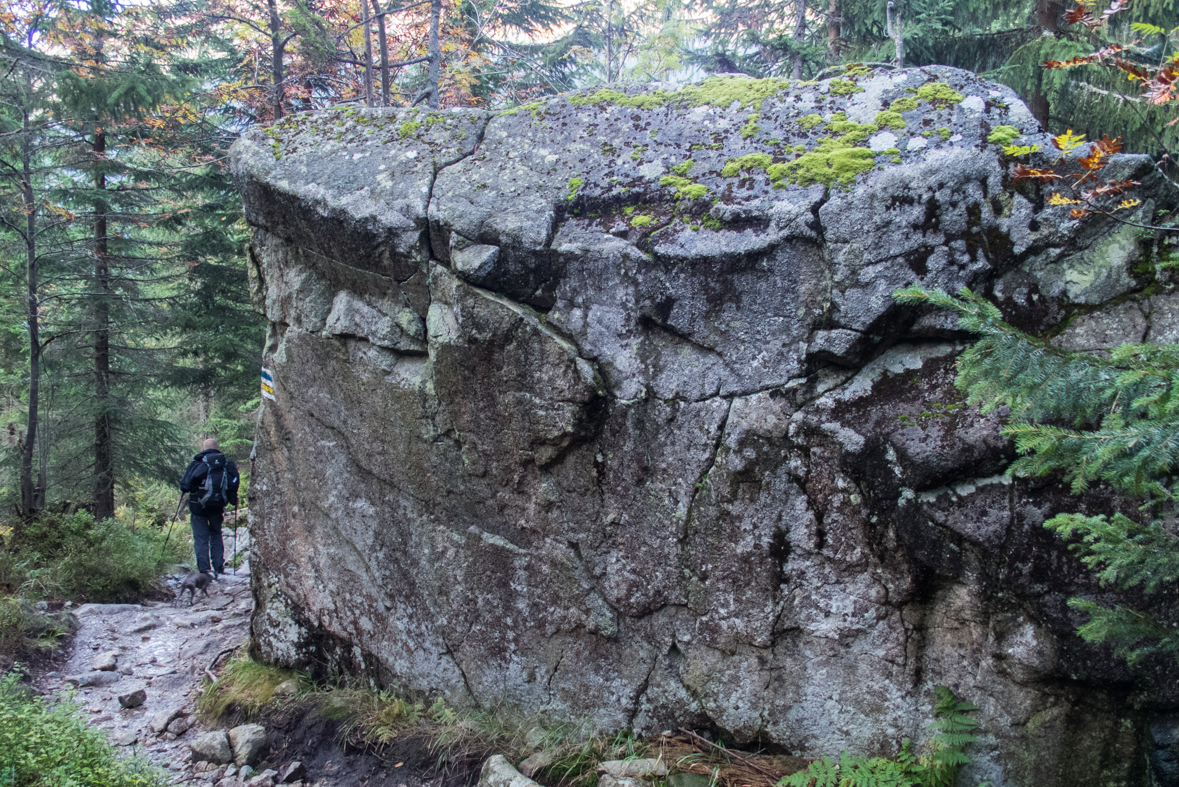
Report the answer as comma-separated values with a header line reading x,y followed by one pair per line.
x,y
211,482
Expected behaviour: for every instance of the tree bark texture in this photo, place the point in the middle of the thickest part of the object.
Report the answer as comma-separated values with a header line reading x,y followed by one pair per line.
x,y
29,499
366,22
1048,20
435,54
798,37
104,470
276,54
893,12
833,19
384,45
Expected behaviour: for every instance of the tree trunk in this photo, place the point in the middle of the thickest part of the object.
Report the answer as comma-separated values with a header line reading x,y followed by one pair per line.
x,y
384,44
893,13
28,493
435,54
276,54
1048,20
366,22
104,471
833,19
610,43
798,37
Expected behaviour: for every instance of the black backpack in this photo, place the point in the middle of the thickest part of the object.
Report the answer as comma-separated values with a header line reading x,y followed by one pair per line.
x,y
213,491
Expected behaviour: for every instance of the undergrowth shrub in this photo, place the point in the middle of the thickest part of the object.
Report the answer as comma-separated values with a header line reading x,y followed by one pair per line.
x,y
937,766
73,556
47,746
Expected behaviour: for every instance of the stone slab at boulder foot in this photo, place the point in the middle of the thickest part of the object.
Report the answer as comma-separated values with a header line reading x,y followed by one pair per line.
x,y
248,742
602,406
213,747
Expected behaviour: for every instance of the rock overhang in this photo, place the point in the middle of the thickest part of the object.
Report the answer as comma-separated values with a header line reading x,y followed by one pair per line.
x,y
605,389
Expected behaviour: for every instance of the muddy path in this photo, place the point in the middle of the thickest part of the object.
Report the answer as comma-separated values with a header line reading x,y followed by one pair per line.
x,y
166,649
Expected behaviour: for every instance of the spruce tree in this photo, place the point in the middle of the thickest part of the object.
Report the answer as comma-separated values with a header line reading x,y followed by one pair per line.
x,y
1094,420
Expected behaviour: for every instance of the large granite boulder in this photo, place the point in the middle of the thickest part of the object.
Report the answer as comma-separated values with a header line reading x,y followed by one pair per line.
x,y
601,408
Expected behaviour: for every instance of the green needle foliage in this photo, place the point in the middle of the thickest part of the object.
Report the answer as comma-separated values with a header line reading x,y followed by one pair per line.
x,y
953,730
1108,420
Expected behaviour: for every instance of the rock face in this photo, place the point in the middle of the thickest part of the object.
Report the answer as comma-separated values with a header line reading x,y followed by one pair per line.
x,y
602,408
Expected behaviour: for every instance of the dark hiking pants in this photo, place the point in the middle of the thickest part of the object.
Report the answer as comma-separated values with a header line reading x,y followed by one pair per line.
x,y
206,537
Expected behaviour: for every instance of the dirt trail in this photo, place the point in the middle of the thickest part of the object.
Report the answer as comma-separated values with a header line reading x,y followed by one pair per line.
x,y
162,648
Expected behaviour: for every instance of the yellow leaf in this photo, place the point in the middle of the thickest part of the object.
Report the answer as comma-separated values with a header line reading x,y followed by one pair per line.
x,y
1058,199
1068,141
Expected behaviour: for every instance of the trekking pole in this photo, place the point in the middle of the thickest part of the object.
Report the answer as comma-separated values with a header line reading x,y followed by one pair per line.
x,y
175,519
233,565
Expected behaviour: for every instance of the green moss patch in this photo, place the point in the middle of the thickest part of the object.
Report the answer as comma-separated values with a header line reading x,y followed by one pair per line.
x,y
905,104
1003,135
641,221
684,168
845,87
574,185
944,132
939,92
750,163
684,187
715,91
833,162
750,129
810,121
889,119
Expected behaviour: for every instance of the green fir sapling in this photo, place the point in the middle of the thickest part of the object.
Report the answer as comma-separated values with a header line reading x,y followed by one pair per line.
x,y
1111,420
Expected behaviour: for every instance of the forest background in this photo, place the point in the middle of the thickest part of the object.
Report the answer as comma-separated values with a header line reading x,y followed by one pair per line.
x,y
127,333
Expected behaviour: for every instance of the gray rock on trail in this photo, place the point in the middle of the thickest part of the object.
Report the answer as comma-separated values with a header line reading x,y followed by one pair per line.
x,y
535,763
292,773
641,768
133,699
125,738
179,726
94,679
107,661
212,747
606,780
161,720
498,772
603,405
248,741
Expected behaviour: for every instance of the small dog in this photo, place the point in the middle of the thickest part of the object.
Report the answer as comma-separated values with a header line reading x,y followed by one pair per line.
x,y
192,583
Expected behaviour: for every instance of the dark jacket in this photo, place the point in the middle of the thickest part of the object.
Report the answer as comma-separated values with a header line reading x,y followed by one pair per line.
x,y
194,476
